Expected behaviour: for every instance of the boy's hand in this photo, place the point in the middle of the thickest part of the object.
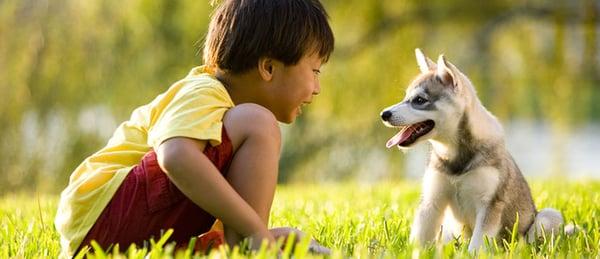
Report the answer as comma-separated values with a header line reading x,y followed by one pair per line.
x,y
257,239
313,247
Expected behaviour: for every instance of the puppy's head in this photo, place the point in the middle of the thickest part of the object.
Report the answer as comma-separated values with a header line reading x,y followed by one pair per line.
x,y
431,107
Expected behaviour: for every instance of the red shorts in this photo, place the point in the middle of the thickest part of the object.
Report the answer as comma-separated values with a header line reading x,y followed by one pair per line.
x,y
147,203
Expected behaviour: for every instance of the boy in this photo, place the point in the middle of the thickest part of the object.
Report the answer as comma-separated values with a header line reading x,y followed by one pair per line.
x,y
209,146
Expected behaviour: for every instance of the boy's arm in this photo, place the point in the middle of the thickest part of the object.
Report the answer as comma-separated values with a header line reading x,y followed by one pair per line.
x,y
194,174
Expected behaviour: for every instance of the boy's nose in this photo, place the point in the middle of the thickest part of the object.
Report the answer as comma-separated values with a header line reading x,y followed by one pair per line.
x,y
386,115
317,89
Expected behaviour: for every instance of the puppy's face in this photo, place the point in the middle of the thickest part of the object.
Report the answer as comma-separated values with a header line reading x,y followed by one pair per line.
x,y
430,108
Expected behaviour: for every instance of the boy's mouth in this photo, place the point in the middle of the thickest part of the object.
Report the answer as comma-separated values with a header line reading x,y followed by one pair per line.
x,y
301,106
410,133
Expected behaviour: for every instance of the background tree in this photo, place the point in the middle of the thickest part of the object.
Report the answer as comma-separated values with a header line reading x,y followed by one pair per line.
x,y
70,71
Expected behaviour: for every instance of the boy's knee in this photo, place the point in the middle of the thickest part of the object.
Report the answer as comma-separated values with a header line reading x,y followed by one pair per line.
x,y
252,120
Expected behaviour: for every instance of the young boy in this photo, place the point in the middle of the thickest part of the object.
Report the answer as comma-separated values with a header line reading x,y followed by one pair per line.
x,y
209,146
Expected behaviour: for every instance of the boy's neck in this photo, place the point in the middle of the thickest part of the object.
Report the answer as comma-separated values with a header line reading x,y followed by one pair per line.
x,y
242,88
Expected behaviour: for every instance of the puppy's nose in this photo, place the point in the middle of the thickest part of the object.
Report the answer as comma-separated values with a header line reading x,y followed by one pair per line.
x,y
385,115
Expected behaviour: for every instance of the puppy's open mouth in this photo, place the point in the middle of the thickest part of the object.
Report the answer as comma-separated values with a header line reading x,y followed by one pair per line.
x,y
409,134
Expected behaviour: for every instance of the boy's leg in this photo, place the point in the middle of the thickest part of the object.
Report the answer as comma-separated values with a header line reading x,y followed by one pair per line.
x,y
256,140
147,203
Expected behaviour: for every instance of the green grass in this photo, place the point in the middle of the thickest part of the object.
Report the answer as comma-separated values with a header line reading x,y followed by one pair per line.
x,y
355,220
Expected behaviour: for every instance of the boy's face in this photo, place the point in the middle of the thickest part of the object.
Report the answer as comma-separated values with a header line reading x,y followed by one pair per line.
x,y
295,86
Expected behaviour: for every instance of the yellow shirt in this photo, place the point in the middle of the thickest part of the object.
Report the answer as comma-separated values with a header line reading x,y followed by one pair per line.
x,y
192,107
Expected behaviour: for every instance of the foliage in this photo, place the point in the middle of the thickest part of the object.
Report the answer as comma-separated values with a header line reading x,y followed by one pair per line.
x,y
355,220
72,70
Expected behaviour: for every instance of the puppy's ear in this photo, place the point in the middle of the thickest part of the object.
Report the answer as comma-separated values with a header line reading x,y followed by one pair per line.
x,y
425,64
452,68
444,73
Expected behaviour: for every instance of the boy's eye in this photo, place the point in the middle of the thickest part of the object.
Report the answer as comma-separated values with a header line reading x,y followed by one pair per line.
x,y
419,100
317,72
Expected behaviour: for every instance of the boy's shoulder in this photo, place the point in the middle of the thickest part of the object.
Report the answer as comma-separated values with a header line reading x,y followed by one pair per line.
x,y
201,76
200,79
201,83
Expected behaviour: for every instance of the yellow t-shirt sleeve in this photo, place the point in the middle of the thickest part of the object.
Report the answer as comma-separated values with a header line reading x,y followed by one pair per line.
x,y
195,112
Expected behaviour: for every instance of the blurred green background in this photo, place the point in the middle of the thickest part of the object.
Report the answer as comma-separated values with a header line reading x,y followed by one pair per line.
x,y
72,70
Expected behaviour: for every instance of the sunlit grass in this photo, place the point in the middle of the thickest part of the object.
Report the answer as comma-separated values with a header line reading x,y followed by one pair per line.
x,y
358,220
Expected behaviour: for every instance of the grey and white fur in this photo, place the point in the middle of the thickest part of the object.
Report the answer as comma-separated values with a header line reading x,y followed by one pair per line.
x,y
470,172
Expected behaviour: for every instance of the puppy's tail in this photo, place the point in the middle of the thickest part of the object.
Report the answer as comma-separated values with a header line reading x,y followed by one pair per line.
x,y
548,222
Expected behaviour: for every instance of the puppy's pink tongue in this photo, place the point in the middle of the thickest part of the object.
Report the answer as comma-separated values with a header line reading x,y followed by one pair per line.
x,y
402,136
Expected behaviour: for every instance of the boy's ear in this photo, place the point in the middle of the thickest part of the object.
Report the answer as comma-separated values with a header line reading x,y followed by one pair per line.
x,y
265,68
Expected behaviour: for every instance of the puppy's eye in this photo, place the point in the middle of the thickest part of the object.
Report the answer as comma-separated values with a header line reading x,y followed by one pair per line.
x,y
419,100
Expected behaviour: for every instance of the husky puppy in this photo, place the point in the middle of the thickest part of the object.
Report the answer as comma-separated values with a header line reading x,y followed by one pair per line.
x,y
470,172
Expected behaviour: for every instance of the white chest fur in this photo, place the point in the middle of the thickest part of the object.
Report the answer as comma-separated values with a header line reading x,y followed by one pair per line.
x,y
465,194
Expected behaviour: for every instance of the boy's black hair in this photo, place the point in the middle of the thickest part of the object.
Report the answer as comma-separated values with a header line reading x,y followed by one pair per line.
x,y
242,31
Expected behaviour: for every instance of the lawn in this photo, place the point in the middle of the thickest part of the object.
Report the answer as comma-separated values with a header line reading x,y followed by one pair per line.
x,y
354,220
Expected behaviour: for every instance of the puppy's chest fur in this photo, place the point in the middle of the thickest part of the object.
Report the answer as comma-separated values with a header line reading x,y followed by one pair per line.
x,y
465,193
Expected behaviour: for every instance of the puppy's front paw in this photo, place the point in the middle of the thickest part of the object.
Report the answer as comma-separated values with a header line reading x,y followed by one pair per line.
x,y
419,237
474,246
414,234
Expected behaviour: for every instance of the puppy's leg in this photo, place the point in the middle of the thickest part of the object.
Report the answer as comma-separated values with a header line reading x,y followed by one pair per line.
x,y
430,214
487,223
427,223
477,237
